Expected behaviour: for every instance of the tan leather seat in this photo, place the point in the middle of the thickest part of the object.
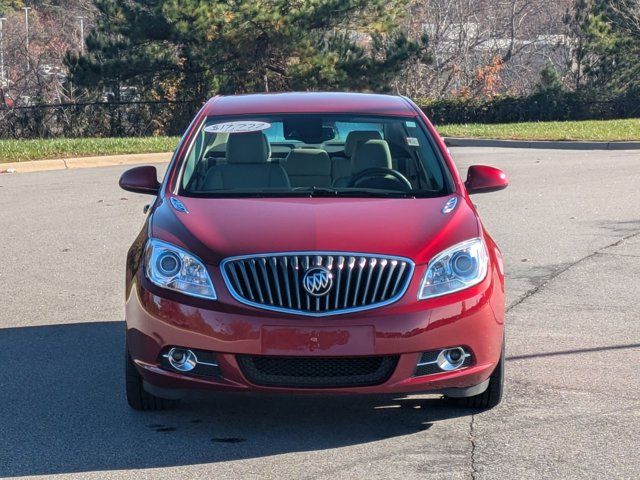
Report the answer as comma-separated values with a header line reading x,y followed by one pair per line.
x,y
341,166
308,167
371,154
247,166
367,155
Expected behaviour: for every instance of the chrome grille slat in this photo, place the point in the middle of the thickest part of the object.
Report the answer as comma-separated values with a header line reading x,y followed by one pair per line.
x,y
340,266
254,274
265,277
383,264
285,274
274,269
275,281
305,266
398,278
236,280
329,265
361,264
296,281
245,277
351,263
392,266
372,266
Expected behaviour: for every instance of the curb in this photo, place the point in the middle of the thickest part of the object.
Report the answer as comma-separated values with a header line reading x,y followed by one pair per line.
x,y
84,162
540,144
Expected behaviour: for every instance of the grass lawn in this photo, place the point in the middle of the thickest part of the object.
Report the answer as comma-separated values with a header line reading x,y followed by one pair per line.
x,y
23,150
594,130
606,131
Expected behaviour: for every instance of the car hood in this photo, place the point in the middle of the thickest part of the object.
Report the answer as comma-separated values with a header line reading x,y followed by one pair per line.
x,y
214,229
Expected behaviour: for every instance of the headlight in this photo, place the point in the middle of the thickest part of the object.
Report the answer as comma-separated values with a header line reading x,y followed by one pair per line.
x,y
456,268
171,267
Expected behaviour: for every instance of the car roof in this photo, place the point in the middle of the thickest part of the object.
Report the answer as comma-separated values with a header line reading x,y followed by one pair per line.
x,y
310,102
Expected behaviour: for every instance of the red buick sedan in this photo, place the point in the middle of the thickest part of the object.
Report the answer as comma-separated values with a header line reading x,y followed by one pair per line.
x,y
315,243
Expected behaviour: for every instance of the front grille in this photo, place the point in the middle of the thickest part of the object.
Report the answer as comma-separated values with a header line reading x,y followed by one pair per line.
x,y
318,372
344,282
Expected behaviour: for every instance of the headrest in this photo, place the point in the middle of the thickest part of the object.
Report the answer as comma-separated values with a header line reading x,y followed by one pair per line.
x,y
371,154
359,136
308,161
250,147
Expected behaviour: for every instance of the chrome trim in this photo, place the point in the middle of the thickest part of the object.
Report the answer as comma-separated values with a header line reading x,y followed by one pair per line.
x,y
426,363
444,359
450,205
188,363
311,257
178,205
422,364
189,353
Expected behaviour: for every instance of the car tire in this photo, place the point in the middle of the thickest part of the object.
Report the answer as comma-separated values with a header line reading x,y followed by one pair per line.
x,y
137,397
492,396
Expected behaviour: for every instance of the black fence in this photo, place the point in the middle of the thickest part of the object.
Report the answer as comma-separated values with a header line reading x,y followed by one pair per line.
x,y
98,119
144,118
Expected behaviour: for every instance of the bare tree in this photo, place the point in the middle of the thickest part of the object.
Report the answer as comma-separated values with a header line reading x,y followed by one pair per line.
x,y
484,47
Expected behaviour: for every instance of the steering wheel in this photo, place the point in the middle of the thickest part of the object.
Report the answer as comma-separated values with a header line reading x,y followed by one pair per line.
x,y
381,172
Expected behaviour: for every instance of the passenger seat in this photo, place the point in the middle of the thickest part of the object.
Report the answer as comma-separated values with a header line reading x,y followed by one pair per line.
x,y
247,166
308,167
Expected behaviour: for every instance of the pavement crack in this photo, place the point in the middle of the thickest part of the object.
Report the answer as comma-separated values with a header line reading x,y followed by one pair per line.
x,y
472,440
537,288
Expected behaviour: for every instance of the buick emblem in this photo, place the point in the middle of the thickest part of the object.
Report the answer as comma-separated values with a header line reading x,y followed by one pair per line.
x,y
317,281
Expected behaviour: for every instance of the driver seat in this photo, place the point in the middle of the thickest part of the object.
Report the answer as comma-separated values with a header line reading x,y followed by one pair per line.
x,y
370,154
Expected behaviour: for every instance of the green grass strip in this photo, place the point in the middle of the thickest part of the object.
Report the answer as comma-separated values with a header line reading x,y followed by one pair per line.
x,y
587,130
24,150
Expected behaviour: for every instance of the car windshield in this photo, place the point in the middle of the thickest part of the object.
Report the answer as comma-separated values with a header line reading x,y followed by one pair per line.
x,y
313,155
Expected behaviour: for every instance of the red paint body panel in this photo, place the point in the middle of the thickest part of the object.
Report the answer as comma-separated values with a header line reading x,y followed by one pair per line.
x,y
215,229
485,179
218,228
334,102
407,327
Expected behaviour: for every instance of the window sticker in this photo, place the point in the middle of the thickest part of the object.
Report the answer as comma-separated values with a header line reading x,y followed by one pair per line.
x,y
237,127
410,124
413,142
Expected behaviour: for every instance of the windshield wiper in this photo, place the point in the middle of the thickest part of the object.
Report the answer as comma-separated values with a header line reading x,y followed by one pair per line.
x,y
328,192
317,191
350,192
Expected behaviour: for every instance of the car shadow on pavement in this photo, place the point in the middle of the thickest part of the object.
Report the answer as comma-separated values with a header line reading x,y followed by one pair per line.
x,y
63,411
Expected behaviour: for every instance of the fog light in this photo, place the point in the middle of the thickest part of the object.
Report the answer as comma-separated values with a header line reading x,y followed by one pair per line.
x,y
181,359
451,358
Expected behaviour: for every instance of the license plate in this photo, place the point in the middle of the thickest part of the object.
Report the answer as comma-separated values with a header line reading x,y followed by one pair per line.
x,y
319,341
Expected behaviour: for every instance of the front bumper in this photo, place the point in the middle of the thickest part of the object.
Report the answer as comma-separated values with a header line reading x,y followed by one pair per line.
x,y
472,318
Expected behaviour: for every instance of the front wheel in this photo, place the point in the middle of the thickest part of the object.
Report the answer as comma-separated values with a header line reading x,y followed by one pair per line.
x,y
492,396
137,397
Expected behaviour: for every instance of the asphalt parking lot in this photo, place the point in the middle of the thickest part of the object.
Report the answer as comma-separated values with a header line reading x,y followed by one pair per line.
x,y
569,229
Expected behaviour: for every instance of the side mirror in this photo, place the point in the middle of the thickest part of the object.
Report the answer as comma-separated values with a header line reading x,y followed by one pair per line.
x,y
140,180
485,179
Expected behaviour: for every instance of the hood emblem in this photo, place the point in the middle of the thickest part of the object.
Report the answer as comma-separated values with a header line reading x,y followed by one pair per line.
x,y
317,281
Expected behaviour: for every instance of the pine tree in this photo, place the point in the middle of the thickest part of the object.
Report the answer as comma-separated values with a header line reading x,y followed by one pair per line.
x,y
613,36
550,82
194,48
